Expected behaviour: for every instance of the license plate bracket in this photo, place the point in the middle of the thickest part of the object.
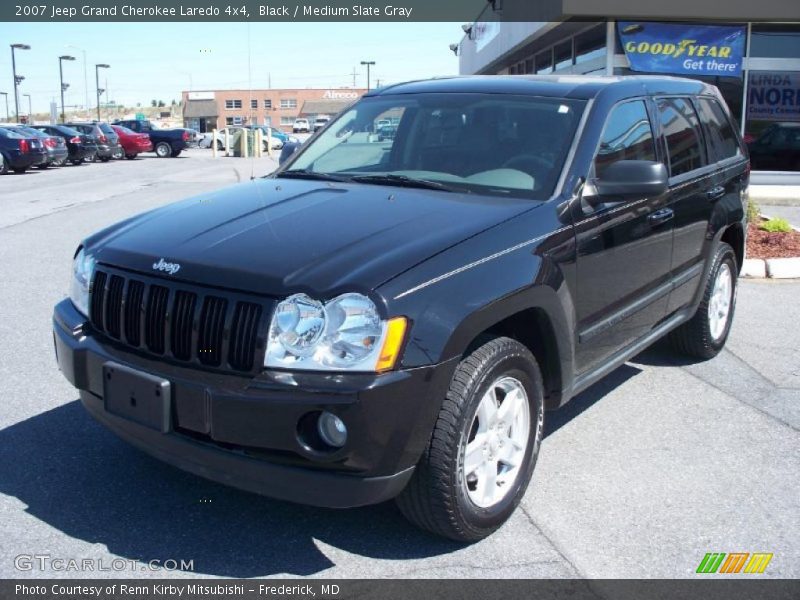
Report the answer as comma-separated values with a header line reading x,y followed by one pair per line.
x,y
136,396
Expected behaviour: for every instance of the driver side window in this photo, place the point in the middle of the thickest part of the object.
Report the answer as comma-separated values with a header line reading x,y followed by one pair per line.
x,y
626,136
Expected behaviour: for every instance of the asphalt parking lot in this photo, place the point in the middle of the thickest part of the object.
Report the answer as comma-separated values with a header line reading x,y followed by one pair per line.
x,y
638,477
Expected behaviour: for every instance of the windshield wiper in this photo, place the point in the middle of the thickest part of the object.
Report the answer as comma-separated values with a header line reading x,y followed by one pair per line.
x,y
306,174
403,181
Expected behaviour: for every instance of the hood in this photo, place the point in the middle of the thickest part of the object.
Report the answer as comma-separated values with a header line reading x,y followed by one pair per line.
x,y
281,236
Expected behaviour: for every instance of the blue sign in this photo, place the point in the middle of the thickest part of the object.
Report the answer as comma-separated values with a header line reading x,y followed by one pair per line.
x,y
683,49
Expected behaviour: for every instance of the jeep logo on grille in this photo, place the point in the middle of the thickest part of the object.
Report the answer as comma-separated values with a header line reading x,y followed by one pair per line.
x,y
170,268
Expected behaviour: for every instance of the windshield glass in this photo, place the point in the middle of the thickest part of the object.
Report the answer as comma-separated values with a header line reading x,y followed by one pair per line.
x,y
492,144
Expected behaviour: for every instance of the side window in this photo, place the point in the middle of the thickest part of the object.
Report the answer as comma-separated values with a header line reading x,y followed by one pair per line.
x,y
626,136
682,133
722,141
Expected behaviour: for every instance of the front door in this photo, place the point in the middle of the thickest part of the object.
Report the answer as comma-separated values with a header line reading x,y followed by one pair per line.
x,y
623,248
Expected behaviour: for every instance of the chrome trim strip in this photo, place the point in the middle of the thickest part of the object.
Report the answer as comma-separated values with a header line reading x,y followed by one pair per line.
x,y
480,262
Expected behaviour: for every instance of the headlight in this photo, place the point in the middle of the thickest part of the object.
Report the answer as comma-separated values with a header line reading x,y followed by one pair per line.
x,y
345,334
82,271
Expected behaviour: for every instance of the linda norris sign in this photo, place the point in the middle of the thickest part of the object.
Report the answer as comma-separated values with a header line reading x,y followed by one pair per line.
x,y
683,49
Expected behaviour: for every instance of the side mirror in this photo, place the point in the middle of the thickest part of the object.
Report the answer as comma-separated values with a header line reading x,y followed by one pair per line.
x,y
288,149
626,178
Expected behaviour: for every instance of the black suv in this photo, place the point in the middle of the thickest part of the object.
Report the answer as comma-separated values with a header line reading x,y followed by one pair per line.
x,y
107,140
390,317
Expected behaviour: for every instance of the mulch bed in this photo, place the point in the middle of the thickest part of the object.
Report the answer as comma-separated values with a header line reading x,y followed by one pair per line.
x,y
763,244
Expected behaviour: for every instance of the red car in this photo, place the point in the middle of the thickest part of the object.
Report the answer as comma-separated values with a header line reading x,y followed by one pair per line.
x,y
133,143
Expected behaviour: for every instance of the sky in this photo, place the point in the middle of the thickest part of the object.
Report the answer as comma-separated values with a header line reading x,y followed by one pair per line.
x,y
159,60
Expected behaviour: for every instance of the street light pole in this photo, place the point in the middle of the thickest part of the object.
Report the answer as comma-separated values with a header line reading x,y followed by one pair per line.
x,y
6,95
99,89
17,78
64,87
368,63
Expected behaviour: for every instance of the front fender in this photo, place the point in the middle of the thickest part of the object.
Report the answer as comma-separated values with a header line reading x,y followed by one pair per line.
x,y
454,297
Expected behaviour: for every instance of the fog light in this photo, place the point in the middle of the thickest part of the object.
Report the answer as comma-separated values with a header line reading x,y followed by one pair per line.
x,y
332,430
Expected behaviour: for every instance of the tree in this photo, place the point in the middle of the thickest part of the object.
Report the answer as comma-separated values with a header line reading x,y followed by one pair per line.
x,y
153,103
161,103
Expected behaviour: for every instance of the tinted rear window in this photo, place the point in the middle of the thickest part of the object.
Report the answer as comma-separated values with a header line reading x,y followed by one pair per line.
x,y
63,130
7,133
722,140
125,130
107,128
682,132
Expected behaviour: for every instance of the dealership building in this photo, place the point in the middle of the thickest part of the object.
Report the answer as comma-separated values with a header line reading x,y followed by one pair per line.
x,y
214,109
756,66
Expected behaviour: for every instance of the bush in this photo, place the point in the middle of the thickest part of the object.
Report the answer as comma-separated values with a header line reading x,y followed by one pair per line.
x,y
776,226
753,211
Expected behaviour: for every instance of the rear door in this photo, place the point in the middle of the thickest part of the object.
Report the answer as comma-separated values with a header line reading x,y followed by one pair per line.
x,y
698,152
624,248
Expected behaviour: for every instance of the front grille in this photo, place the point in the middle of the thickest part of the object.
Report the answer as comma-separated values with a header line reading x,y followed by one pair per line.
x,y
184,323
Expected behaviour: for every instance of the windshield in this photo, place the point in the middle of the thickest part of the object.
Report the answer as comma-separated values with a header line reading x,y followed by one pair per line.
x,y
493,144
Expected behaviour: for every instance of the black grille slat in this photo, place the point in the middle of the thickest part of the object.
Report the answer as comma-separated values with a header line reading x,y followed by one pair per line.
x,y
182,317
156,316
113,307
243,335
97,297
133,312
188,325
212,329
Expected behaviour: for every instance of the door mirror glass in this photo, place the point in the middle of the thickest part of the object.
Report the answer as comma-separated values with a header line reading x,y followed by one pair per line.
x,y
624,179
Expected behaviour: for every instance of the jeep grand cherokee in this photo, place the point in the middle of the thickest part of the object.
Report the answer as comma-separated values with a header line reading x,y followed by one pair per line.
x,y
390,317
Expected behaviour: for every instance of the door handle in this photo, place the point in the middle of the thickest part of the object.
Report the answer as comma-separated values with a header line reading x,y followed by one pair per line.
x,y
715,193
660,217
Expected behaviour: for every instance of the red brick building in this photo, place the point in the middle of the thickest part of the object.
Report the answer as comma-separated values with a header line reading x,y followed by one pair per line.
x,y
209,109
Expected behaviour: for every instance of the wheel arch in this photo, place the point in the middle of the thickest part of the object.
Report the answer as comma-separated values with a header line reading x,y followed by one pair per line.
x,y
536,319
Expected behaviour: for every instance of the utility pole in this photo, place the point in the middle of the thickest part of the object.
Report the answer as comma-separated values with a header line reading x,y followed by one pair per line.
x,y
64,86
97,82
354,76
30,110
6,95
17,78
369,63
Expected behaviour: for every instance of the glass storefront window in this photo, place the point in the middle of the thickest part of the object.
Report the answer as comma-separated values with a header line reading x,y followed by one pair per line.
x,y
590,44
544,61
563,55
772,121
775,41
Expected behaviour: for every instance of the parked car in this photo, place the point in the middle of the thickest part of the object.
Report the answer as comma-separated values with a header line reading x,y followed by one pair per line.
x,y
320,122
132,143
390,320
81,147
106,139
301,126
55,146
20,151
777,148
166,142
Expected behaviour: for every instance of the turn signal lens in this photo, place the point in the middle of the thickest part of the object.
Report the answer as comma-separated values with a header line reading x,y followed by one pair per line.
x,y
392,343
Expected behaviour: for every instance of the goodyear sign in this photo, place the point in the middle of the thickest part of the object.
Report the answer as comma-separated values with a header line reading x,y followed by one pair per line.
x,y
683,49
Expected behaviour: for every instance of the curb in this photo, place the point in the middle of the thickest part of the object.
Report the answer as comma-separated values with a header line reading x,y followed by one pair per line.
x,y
771,268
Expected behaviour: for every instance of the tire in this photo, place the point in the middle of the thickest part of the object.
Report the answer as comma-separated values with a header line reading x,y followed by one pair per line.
x,y
702,336
220,146
163,150
77,161
43,167
105,159
118,154
443,495
131,156
175,153
19,170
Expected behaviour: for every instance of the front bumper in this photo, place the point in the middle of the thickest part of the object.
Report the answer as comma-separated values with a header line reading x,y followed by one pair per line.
x,y
243,431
